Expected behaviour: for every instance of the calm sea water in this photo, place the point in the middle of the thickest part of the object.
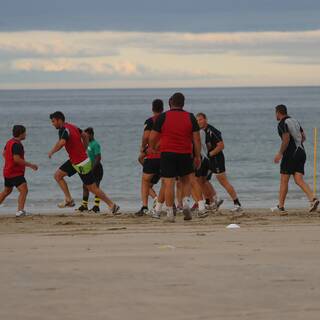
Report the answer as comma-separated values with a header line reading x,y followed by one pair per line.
x,y
245,116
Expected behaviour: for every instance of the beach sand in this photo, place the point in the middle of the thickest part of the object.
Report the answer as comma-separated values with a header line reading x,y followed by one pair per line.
x,y
102,267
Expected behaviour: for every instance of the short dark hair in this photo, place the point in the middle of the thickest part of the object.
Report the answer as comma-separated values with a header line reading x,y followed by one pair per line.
x,y
157,105
57,115
177,100
89,131
18,130
201,114
282,109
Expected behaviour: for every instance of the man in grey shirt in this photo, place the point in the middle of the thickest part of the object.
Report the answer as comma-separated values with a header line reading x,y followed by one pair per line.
x,y
293,158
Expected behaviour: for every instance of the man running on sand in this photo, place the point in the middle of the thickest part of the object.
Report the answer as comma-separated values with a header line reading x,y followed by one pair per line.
x,y
293,158
14,168
178,133
74,141
215,147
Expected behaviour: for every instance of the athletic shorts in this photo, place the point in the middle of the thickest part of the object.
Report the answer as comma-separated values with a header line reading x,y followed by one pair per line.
x,y
204,169
98,174
155,179
14,182
217,164
175,164
151,166
87,179
293,163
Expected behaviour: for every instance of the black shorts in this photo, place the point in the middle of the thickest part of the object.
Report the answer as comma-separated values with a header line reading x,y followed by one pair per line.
x,y
98,173
87,179
175,164
155,179
293,163
204,169
217,164
151,166
14,182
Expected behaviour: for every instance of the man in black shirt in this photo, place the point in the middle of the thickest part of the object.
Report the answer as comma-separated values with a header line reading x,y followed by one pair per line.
x,y
215,146
293,158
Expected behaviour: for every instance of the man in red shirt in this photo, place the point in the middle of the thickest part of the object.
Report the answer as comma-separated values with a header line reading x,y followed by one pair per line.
x,y
14,168
178,133
74,141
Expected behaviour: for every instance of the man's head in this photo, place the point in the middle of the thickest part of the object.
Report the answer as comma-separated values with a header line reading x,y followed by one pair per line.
x,y
281,112
89,131
157,106
19,132
57,119
202,120
177,101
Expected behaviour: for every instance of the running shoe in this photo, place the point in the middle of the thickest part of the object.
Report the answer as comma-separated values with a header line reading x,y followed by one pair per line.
x,y
314,205
21,213
66,204
202,214
115,210
155,201
194,207
95,209
282,211
170,219
179,210
155,214
237,209
187,214
82,208
143,211
219,203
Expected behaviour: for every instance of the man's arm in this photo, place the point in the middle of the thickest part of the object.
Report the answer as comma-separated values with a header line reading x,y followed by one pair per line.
x,y
284,145
84,138
19,161
154,139
217,149
57,147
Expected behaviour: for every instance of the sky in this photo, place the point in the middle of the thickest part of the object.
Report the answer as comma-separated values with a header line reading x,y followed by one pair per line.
x,y
141,44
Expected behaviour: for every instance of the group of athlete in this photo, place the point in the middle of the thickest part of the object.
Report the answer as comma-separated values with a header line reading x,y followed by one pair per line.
x,y
178,148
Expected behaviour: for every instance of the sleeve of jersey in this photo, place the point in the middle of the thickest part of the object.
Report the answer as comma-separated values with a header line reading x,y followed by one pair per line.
x,y
17,149
284,128
148,125
63,134
217,136
159,123
195,126
97,150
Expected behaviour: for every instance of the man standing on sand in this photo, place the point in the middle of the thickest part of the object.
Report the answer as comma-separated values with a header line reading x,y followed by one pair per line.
x,y
293,158
151,162
15,167
215,147
178,133
74,141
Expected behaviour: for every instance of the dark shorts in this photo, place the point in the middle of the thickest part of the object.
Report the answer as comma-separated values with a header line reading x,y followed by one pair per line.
x,y
87,179
155,179
293,163
175,164
151,166
98,173
217,164
14,182
204,169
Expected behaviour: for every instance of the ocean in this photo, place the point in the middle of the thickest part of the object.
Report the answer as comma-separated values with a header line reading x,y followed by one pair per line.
x,y
245,116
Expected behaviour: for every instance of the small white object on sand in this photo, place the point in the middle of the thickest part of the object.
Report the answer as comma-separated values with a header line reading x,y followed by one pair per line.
x,y
233,226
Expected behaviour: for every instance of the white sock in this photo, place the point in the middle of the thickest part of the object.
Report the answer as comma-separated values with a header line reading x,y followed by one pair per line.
x,y
201,205
159,206
170,212
185,203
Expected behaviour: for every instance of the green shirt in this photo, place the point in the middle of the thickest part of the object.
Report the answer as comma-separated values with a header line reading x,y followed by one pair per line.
x,y
93,150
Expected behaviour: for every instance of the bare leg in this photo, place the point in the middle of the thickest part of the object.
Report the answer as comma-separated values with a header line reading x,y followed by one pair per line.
x,y
284,182
179,194
85,195
169,191
298,179
145,188
59,177
209,191
223,180
152,193
23,191
161,196
93,188
5,193
196,188
186,185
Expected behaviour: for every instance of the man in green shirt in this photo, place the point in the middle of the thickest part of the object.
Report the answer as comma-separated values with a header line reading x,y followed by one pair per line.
x,y
94,153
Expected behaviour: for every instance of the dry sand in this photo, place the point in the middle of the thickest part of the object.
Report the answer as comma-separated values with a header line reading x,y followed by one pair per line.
x,y
101,267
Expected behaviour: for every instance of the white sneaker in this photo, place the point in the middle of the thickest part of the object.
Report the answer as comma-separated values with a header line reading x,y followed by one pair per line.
x,y
202,214
21,213
170,217
155,214
237,209
314,205
281,211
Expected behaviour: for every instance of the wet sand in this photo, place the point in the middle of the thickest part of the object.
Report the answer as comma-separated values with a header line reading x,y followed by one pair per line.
x,y
102,267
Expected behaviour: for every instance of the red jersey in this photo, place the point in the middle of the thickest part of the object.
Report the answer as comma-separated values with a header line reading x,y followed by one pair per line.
x,y
74,145
176,128
12,169
148,125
